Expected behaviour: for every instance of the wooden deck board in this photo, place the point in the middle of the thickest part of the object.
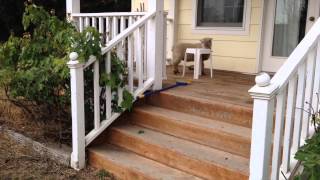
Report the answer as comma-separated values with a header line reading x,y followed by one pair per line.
x,y
225,86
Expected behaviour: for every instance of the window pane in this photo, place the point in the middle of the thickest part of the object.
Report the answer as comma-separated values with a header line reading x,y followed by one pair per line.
x,y
289,26
220,13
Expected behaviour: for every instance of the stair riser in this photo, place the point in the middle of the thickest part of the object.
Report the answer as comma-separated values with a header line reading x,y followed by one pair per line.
x,y
215,110
172,158
217,139
96,161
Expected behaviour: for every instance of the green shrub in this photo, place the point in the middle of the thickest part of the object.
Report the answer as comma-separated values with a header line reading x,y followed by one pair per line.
x,y
33,67
309,154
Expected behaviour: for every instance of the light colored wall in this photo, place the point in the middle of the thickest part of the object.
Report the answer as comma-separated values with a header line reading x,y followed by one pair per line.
x,y
231,52
136,5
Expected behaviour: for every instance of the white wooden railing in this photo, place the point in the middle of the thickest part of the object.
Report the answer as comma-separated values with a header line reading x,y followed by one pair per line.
x,y
281,122
108,24
141,45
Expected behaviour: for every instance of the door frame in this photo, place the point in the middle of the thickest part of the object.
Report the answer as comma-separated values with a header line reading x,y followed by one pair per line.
x,y
267,30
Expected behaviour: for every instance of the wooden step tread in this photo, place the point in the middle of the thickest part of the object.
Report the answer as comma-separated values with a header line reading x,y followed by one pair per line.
x,y
128,165
217,134
221,164
239,131
212,109
197,96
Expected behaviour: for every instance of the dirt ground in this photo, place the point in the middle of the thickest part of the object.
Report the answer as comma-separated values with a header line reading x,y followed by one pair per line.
x,y
44,130
19,162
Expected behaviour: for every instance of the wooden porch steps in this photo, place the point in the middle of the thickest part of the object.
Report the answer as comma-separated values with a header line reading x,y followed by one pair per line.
x,y
219,109
178,136
217,134
128,165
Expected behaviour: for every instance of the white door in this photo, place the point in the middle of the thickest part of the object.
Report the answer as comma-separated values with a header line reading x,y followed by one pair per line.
x,y
286,22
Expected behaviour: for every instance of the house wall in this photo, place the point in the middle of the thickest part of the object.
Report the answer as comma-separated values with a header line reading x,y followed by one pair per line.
x,y
231,52
135,6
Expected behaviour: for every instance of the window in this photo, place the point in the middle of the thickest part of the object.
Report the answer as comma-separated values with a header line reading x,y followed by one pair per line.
x,y
222,15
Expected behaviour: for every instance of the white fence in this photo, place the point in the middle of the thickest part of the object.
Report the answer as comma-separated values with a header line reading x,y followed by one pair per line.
x,y
281,122
139,42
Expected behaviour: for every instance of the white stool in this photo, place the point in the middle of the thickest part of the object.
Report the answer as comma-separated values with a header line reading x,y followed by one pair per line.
x,y
197,52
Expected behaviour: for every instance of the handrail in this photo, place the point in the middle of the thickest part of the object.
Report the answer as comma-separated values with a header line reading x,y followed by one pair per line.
x,y
138,40
124,34
127,32
290,66
108,14
280,120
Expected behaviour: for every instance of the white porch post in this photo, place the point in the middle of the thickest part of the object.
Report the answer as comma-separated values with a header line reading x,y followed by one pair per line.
x,y
72,6
77,112
172,28
155,55
263,108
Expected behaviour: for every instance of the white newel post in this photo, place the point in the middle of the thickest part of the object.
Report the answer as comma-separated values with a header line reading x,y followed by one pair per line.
x,y
77,112
155,55
263,107
72,6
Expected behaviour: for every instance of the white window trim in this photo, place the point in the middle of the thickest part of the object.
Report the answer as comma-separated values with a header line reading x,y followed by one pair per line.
x,y
244,30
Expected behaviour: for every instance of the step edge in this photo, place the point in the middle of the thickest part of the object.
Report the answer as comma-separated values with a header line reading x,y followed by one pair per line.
x,y
183,152
227,130
138,156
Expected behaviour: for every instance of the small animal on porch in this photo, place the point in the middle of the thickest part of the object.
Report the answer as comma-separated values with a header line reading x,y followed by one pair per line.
x,y
178,52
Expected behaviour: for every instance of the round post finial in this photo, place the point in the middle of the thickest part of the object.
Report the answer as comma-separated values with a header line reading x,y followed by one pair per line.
x,y
73,56
263,79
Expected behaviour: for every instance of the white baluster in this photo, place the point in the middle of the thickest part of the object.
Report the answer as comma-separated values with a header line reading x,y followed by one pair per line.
x,y
139,62
114,26
108,89
122,23
101,29
77,112
130,21
96,91
299,106
108,31
308,94
130,63
291,106
278,134
87,22
164,65
316,86
145,67
81,24
94,22
121,47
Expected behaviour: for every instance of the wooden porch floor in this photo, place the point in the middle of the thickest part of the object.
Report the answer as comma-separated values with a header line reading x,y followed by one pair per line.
x,y
231,87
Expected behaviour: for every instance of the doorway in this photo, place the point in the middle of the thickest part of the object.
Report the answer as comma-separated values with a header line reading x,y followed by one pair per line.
x,y
286,23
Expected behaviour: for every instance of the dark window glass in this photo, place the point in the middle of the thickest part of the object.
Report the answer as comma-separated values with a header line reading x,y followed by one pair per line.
x,y
220,13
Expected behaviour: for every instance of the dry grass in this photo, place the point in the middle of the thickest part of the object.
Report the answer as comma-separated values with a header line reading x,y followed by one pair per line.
x,y
18,162
43,130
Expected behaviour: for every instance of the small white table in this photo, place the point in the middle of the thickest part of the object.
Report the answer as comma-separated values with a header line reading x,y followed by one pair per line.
x,y
197,54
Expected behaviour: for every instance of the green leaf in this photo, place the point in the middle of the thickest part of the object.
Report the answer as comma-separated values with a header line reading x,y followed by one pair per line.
x,y
128,100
